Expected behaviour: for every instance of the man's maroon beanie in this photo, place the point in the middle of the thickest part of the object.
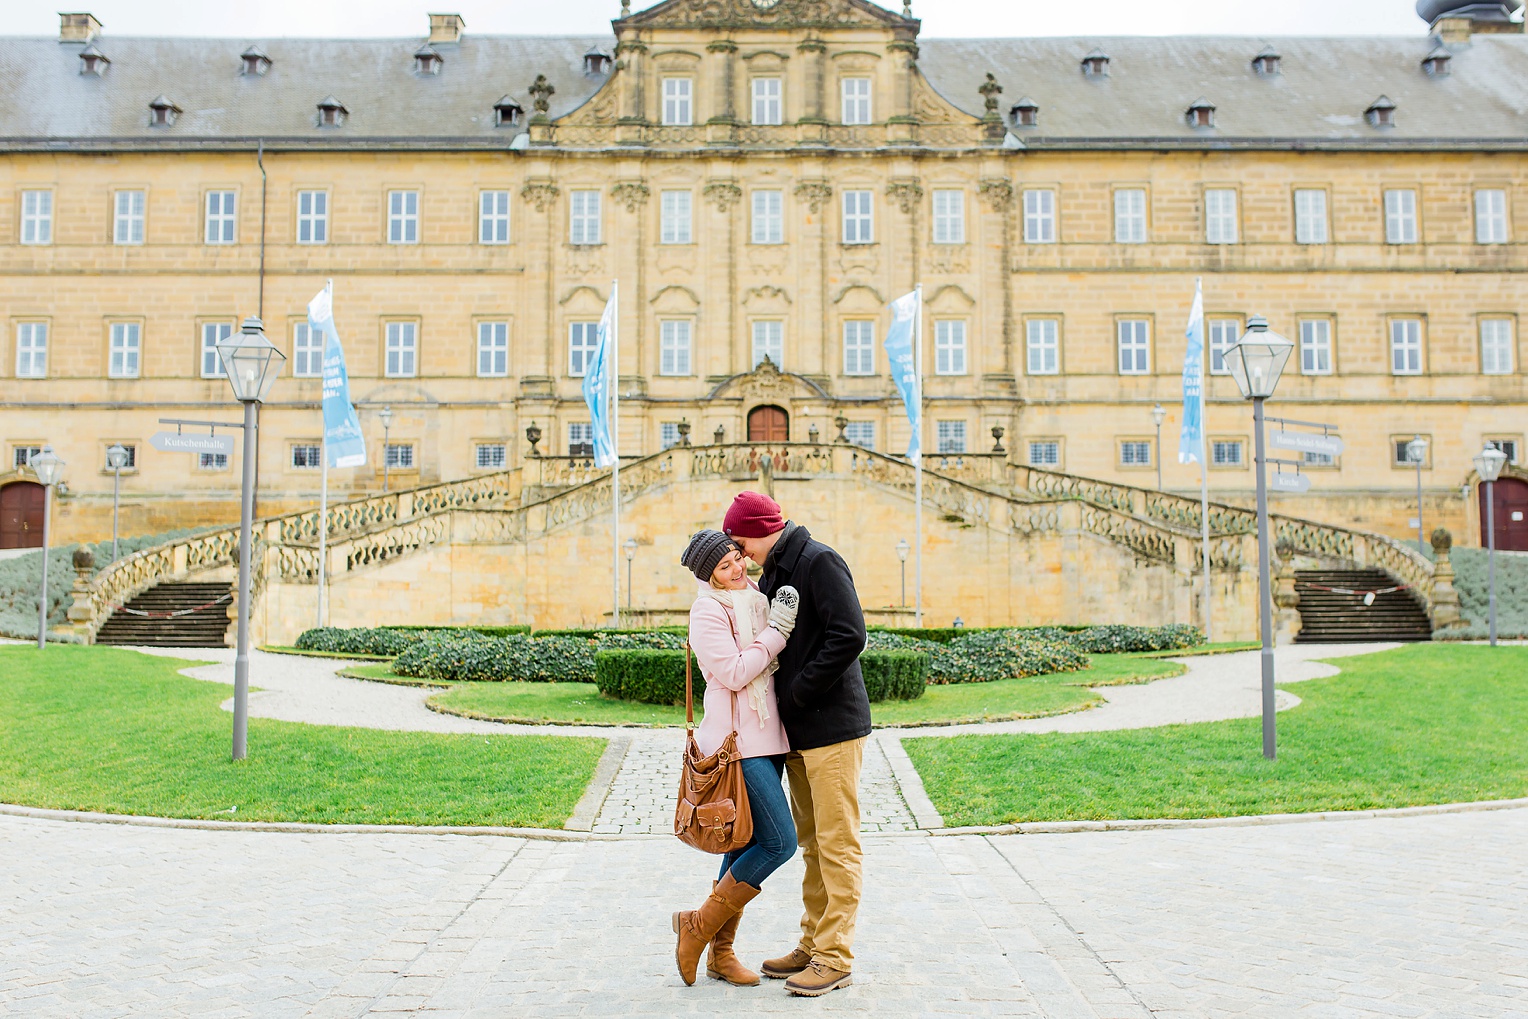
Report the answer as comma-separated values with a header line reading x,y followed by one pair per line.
x,y
753,515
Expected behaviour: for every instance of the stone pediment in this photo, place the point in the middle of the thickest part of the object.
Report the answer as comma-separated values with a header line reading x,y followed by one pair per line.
x,y
783,14
768,384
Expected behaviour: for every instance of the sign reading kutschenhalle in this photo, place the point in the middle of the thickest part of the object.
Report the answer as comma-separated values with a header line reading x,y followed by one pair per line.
x,y
176,442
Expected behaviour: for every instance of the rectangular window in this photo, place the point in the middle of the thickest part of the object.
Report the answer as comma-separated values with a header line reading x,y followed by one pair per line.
x,y
1405,346
1315,346
36,217
859,348
221,217
1507,446
1220,216
856,96
861,434
950,347
858,225
1045,453
1401,445
674,347
402,350
1043,342
307,456
1310,216
768,217
1130,216
493,350
583,342
493,217
491,456
675,214
312,217
584,217
1310,459
1040,217
677,110
1134,346
129,219
580,438
1490,216
403,217
22,455
766,101
1135,453
213,333
950,436
668,434
32,350
400,456
949,217
1226,453
212,461
126,349
1496,346
307,352
1400,217
768,341
132,457
1223,335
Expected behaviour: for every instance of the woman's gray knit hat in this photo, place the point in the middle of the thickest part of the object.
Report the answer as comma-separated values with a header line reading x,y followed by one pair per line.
x,y
705,550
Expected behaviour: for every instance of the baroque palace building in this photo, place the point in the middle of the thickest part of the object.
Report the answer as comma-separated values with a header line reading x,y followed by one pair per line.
x,y
762,177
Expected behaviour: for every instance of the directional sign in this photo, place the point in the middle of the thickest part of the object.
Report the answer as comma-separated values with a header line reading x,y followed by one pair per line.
x,y
1307,442
176,442
1297,484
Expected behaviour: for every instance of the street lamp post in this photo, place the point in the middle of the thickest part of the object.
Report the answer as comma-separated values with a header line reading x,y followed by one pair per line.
x,y
386,414
630,545
1256,362
116,459
251,364
902,549
1488,464
1158,414
1416,452
48,468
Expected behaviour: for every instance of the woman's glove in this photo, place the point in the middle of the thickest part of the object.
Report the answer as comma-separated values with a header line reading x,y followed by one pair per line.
x,y
782,611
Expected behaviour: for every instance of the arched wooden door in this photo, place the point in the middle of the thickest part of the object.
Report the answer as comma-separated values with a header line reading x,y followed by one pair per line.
x,y
768,424
1511,515
21,515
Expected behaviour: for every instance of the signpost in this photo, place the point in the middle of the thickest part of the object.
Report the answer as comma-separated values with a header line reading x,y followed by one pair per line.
x,y
1306,442
1294,484
179,442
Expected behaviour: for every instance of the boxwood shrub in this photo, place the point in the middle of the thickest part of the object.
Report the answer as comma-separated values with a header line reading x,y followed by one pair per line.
x,y
895,675
359,641
463,657
981,656
647,675
1115,638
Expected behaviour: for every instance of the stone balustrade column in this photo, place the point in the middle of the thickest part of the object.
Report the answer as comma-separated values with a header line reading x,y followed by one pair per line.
x,y
1445,599
1286,602
82,612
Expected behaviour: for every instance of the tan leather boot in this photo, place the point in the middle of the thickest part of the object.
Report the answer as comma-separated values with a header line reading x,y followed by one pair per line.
x,y
696,927
787,965
722,962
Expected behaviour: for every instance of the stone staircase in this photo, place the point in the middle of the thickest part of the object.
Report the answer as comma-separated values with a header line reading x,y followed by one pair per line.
x,y
1332,609
172,615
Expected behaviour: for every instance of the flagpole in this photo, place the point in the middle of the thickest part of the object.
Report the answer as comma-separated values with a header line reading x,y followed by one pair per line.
x,y
613,379
918,467
323,520
1204,478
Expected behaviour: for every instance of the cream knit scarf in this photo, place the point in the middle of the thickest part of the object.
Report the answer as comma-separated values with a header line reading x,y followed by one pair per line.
x,y
744,603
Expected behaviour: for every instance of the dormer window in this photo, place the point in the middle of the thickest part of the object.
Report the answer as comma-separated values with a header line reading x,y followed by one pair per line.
x,y
426,60
163,111
93,61
1025,113
1436,63
1096,64
507,112
1381,113
596,61
1266,63
1201,113
331,112
254,62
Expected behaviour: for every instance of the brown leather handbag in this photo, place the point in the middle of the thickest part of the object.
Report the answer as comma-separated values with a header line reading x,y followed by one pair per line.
x,y
713,813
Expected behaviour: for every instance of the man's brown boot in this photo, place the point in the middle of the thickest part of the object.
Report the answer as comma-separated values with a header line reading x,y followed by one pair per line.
x,y
817,979
787,965
696,927
722,962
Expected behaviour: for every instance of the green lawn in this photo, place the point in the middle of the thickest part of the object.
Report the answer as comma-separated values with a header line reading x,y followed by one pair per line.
x,y
101,729
1422,724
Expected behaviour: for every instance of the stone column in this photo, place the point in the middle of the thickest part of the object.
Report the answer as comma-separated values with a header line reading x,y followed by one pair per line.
x,y
812,127
901,125
1445,599
721,126
1286,601
631,65
82,613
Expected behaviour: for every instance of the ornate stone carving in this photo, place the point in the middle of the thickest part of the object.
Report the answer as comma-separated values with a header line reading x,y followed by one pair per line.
x,y
768,259
907,193
998,192
631,193
951,258
729,14
540,193
990,90
724,193
541,92
815,193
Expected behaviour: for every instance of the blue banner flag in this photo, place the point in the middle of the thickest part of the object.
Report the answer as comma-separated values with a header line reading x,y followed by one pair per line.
x,y
599,376
904,366
1191,439
342,430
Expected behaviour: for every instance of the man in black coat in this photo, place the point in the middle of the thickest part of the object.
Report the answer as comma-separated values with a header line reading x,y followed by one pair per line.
x,y
826,715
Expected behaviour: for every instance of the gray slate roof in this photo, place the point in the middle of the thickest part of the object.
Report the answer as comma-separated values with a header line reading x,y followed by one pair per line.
x,y
1318,99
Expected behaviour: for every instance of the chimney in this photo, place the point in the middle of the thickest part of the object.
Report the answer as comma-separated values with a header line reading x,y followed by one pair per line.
x,y
78,27
1454,21
446,28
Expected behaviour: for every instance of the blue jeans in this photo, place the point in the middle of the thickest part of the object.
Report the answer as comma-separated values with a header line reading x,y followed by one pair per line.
x,y
774,831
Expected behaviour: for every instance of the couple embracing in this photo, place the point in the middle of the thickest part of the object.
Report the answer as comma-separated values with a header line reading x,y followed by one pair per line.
x,y
787,651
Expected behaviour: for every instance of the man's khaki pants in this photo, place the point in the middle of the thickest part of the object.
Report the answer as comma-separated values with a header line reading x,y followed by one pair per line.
x,y
825,803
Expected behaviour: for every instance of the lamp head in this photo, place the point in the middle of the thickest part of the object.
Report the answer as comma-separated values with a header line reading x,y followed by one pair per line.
x,y
386,414
1489,462
1257,360
1158,414
250,362
116,456
630,545
1416,450
48,467
902,549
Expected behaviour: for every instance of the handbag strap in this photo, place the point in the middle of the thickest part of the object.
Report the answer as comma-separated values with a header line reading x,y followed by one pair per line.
x,y
689,692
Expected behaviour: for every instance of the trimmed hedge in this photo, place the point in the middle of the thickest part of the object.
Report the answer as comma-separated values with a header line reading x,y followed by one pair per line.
x,y
946,634
1115,638
359,641
459,657
649,676
982,656
589,633
895,675
485,631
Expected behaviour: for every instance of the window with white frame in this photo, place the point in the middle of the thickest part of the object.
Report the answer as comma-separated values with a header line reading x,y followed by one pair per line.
x,y
580,438
402,350
1401,449
222,221
858,224
1220,216
1223,335
403,217
766,101
1310,459
312,217
1400,216
125,350
675,217
949,216
1310,216
1490,216
212,461
860,433
306,456
1315,346
1134,346
32,350
769,341
950,347
677,102
1226,453
859,347
493,350
674,346
307,351
668,434
130,206
400,456
584,217
1130,216
583,343
1135,453
950,436
1507,446
131,459
1042,340
1405,346
493,217
22,455
856,100
1045,453
213,333
1496,346
768,217
1039,216
36,217
491,456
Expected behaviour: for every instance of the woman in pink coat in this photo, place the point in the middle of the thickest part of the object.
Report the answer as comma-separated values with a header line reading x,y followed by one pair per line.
x,y
736,634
